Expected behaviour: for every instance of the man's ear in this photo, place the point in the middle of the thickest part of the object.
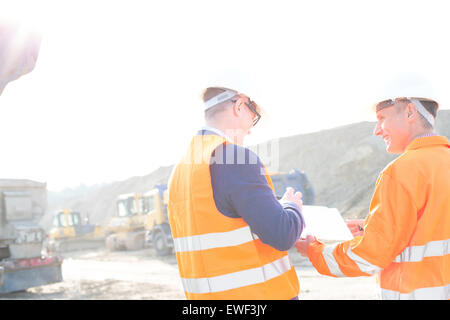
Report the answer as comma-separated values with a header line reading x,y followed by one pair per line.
x,y
237,107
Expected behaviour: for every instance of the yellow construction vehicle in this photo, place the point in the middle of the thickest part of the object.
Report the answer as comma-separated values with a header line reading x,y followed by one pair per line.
x,y
70,233
126,229
157,226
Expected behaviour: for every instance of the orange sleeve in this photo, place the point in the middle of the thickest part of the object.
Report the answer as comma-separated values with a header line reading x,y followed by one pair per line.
x,y
388,228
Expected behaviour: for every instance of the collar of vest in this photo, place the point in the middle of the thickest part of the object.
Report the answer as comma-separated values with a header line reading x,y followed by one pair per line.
x,y
214,131
428,142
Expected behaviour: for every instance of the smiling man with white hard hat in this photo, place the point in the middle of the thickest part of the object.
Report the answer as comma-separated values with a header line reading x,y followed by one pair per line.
x,y
407,232
403,119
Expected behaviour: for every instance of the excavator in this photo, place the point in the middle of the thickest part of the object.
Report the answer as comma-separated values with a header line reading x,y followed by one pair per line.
x,y
69,233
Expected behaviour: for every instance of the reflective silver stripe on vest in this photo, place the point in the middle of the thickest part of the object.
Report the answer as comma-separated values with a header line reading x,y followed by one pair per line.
x,y
431,293
331,261
238,279
362,264
213,240
431,249
333,266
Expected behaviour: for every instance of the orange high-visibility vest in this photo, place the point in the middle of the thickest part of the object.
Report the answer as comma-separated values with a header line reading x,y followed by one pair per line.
x,y
407,233
219,257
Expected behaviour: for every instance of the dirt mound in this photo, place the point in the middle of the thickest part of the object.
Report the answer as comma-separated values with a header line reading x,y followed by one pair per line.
x,y
342,164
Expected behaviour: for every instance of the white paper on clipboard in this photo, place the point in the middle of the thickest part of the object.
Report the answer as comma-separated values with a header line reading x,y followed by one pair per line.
x,y
325,224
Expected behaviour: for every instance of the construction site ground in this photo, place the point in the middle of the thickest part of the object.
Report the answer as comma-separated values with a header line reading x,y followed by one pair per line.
x,y
134,275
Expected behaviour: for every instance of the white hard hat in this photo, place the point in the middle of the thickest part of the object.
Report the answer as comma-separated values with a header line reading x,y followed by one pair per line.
x,y
407,85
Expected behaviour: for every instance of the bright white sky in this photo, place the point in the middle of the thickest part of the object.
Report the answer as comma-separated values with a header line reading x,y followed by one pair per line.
x,y
116,89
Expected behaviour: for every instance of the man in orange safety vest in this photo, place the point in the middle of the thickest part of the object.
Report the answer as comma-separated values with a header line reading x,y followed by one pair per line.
x,y
231,234
406,238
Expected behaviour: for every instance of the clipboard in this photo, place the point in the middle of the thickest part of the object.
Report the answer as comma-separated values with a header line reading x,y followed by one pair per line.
x,y
325,224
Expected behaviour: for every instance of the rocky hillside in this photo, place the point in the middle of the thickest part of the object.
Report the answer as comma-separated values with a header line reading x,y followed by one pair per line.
x,y
342,163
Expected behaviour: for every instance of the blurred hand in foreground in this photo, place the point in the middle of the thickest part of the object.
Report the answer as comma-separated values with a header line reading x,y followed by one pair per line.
x,y
296,197
303,244
19,49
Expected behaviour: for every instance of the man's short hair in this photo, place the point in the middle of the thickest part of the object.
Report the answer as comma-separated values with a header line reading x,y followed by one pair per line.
x,y
210,93
430,105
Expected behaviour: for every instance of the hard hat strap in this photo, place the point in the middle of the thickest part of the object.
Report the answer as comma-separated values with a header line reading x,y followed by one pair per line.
x,y
219,98
424,112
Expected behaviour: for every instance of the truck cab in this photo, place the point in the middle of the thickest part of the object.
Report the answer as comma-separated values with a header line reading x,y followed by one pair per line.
x,y
158,233
295,179
126,229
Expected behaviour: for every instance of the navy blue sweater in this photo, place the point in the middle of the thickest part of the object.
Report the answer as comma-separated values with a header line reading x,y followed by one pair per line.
x,y
240,190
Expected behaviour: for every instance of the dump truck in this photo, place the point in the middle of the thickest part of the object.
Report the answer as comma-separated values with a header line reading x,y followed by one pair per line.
x,y
126,229
22,204
70,233
296,179
158,234
141,221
